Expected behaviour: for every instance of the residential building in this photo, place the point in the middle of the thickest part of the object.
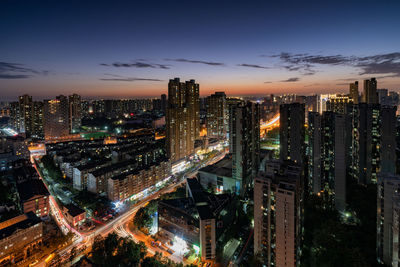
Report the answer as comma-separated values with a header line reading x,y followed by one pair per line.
x,y
388,185
218,176
217,116
278,213
291,132
81,172
338,104
74,113
383,96
37,119
126,185
19,236
244,124
199,219
354,95
388,139
369,137
34,197
333,143
182,119
395,243
370,95
74,215
56,118
164,102
314,152
22,115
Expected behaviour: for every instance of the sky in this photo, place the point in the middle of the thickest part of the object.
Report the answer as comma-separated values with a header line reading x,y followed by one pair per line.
x,y
128,49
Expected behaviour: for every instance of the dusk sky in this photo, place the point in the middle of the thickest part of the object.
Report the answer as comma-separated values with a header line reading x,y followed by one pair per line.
x,y
113,49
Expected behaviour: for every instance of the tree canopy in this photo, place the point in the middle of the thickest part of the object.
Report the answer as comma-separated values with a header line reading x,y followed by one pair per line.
x,y
117,251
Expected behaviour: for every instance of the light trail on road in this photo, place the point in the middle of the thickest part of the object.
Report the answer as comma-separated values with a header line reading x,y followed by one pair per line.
x,y
118,224
274,122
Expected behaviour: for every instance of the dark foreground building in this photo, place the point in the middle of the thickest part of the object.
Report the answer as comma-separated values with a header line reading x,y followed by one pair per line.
x,y
199,219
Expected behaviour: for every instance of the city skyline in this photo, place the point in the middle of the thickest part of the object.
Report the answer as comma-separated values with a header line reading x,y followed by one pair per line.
x,y
132,50
199,133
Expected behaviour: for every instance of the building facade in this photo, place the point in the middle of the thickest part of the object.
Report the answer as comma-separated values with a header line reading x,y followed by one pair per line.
x,y
122,187
278,214
244,127
19,236
291,132
314,152
217,116
388,185
74,113
182,118
333,137
354,95
198,219
56,121
388,139
34,197
370,95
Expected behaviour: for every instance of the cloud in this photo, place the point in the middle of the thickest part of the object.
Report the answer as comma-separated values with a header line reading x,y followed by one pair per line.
x,y
118,78
14,76
252,66
368,65
10,70
311,85
294,79
210,63
137,64
312,59
376,76
267,82
130,79
342,84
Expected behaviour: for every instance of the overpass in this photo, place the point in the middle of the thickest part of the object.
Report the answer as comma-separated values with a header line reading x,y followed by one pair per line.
x,y
269,125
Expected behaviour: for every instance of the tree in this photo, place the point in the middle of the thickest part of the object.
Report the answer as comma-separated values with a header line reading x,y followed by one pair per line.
x,y
256,260
117,251
54,171
142,219
152,262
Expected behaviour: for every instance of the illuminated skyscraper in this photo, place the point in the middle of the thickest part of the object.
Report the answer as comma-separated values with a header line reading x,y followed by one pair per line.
x,y
278,214
314,151
327,155
370,95
37,119
244,145
217,115
56,117
182,118
26,113
75,113
354,92
338,103
333,142
368,141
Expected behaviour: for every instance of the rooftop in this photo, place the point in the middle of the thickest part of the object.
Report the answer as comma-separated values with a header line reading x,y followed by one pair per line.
x,y
123,175
220,168
206,205
31,188
74,210
23,221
